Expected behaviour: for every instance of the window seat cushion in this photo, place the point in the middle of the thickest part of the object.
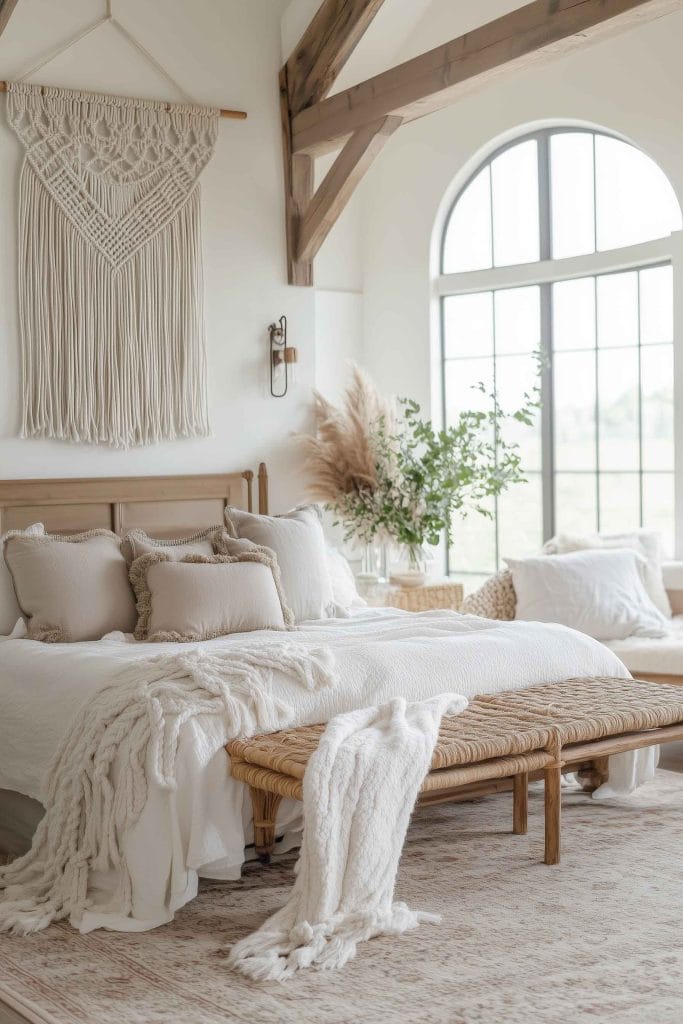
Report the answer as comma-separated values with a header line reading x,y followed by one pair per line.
x,y
663,656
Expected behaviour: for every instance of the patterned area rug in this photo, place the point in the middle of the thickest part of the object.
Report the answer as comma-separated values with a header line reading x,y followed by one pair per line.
x,y
596,939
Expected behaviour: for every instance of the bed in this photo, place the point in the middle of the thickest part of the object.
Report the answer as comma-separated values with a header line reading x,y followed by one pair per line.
x,y
202,827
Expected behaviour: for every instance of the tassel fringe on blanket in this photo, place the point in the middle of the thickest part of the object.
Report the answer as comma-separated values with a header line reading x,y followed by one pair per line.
x,y
110,266
91,804
359,790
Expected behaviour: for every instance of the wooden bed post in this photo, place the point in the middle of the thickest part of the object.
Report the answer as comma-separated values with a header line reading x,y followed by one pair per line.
x,y
263,489
248,475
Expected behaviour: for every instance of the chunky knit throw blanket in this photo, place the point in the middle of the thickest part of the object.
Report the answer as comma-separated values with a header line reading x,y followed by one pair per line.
x,y
94,796
359,790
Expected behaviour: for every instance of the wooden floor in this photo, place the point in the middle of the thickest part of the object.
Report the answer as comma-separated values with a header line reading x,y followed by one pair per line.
x,y
671,759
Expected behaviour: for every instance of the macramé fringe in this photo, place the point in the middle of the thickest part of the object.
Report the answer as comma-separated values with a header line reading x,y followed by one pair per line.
x,y
110,356
110,268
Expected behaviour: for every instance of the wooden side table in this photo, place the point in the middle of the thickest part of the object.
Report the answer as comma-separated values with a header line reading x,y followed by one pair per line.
x,y
439,594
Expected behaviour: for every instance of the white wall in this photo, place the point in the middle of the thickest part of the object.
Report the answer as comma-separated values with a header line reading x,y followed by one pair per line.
x,y
631,84
373,286
225,52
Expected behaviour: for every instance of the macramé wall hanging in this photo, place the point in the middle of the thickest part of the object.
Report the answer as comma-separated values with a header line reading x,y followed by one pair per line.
x,y
110,265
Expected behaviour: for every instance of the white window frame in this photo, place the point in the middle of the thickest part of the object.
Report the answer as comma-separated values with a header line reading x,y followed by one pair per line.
x,y
548,271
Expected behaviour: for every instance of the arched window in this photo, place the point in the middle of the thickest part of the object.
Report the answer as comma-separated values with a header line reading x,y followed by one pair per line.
x,y
560,243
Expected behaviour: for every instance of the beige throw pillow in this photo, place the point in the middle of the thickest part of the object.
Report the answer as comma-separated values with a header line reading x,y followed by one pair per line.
x,y
137,543
10,612
71,588
298,541
495,599
200,597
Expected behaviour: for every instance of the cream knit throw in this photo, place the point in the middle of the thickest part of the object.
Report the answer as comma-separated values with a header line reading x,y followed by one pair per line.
x,y
110,270
92,802
359,790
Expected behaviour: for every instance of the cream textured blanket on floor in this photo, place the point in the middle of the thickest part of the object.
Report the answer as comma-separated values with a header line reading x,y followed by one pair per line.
x,y
359,789
91,806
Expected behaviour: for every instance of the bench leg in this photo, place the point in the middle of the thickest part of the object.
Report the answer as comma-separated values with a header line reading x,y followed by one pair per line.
x,y
593,777
264,806
553,809
520,803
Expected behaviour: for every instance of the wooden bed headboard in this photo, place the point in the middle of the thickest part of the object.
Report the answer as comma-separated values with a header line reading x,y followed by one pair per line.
x,y
164,506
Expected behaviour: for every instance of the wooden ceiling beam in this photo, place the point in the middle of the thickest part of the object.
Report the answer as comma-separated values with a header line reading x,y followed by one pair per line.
x,y
362,118
299,177
6,10
336,188
305,79
324,49
524,37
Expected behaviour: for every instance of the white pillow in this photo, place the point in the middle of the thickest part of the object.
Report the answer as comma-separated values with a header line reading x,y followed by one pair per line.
x,y
597,592
646,542
10,612
344,593
298,541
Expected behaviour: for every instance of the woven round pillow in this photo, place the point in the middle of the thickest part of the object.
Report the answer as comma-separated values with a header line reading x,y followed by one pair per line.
x,y
495,599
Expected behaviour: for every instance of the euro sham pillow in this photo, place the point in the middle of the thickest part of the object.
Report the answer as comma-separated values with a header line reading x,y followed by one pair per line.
x,y
598,592
137,543
646,543
71,588
298,541
10,612
200,597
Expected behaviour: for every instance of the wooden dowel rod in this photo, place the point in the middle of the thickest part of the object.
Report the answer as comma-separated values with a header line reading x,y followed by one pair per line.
x,y
234,115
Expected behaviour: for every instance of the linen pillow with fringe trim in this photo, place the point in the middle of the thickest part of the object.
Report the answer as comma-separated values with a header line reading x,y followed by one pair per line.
x,y
200,597
70,588
10,612
137,543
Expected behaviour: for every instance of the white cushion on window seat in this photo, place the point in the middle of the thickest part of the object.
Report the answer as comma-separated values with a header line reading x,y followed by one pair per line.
x,y
663,656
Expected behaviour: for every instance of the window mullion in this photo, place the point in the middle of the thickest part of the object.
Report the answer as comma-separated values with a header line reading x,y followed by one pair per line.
x,y
547,430
634,257
596,370
544,199
640,413
546,383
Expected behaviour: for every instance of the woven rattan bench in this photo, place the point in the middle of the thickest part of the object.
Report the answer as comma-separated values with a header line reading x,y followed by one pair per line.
x,y
499,742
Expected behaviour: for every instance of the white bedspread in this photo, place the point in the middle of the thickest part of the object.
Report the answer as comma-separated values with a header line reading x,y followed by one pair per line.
x,y
202,827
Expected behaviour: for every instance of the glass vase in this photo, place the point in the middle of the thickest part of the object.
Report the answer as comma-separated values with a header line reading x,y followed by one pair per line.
x,y
413,571
368,564
383,561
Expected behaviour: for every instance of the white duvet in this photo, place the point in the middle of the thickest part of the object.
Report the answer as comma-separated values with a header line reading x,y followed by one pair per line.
x,y
202,827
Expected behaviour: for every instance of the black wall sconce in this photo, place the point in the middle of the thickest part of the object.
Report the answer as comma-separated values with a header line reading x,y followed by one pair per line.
x,y
282,356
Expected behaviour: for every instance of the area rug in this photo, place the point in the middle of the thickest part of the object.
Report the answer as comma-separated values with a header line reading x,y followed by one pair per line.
x,y
598,938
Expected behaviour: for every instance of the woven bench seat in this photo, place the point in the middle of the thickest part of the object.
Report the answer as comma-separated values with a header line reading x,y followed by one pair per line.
x,y
510,736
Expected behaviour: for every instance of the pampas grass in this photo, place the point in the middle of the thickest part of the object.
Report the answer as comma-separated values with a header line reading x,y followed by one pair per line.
x,y
341,458
407,480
